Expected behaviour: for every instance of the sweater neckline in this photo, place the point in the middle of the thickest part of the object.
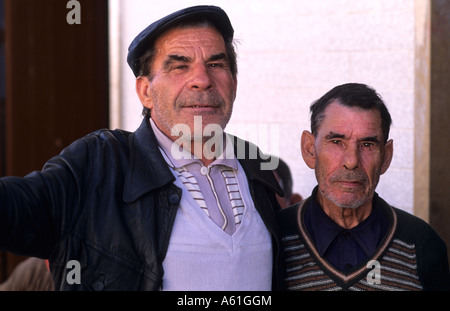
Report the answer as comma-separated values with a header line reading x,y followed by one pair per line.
x,y
328,268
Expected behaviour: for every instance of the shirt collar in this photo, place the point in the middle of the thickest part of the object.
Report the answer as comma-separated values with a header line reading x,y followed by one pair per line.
x,y
323,230
187,158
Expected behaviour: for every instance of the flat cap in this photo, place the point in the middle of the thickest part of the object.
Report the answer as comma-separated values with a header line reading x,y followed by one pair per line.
x,y
148,36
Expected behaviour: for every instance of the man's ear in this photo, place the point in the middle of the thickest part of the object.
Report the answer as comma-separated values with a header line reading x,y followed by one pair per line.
x,y
387,157
308,150
143,91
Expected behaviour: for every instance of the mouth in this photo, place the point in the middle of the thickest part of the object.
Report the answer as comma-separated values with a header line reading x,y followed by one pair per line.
x,y
350,186
200,106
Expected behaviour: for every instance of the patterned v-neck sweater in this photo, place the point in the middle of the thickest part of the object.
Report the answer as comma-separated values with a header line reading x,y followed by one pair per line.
x,y
411,257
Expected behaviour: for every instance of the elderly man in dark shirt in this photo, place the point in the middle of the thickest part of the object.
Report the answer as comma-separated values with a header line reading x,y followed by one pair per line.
x,y
345,237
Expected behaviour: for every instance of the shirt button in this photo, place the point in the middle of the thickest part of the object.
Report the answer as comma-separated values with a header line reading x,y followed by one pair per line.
x,y
174,198
98,285
204,170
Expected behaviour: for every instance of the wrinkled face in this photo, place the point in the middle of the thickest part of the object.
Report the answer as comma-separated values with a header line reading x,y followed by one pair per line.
x,y
190,77
349,155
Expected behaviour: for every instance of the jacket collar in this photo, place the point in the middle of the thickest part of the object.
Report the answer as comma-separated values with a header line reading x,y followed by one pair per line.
x,y
148,170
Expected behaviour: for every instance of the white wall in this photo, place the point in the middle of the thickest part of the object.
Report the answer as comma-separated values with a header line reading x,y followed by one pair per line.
x,y
291,52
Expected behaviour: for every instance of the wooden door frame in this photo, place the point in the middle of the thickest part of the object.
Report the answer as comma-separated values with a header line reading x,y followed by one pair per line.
x,y
57,85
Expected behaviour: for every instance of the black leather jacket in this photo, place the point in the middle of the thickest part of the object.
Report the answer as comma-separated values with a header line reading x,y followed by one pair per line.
x,y
109,202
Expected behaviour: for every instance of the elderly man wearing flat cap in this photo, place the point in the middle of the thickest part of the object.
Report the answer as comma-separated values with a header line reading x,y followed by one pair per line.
x,y
161,208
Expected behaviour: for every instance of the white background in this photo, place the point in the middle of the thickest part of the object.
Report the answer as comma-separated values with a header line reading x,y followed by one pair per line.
x,y
290,52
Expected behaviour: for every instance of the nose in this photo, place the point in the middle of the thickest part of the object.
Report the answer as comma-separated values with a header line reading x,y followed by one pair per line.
x,y
351,158
201,79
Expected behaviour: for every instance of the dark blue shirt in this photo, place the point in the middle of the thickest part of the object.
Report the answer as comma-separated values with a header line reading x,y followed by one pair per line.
x,y
345,249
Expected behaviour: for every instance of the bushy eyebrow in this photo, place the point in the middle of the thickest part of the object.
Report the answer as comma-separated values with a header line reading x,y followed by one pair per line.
x,y
373,139
216,57
170,59
333,135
